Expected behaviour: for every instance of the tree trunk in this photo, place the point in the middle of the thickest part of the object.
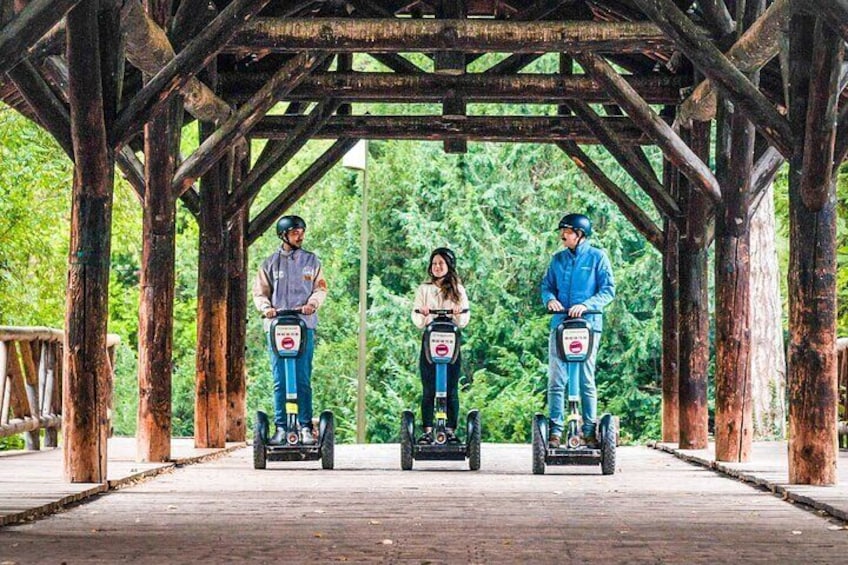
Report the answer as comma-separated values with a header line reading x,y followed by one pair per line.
x,y
768,356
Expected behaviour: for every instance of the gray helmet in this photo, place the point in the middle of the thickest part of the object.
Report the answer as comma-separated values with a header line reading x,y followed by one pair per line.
x,y
288,223
576,222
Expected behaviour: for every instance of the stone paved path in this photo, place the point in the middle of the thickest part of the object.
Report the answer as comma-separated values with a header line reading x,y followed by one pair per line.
x,y
655,509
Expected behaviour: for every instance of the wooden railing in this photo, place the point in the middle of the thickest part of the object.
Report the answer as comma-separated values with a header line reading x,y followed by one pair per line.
x,y
31,382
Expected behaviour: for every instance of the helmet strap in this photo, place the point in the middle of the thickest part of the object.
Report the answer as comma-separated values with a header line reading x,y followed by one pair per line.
x,y
286,241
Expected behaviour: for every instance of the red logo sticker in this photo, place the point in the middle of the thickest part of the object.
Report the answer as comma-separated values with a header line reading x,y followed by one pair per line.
x,y
575,347
287,343
441,350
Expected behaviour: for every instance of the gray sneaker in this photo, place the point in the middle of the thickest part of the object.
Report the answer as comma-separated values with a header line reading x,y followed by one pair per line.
x,y
306,437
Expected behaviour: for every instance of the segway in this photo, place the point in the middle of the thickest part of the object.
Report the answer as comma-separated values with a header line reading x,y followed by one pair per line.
x,y
441,340
288,334
574,342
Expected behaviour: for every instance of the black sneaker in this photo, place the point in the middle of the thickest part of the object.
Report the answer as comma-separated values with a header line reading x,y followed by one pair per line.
x,y
426,438
589,441
451,437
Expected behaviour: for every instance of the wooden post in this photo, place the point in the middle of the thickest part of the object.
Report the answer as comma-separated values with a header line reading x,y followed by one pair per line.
x,y
694,315
86,370
156,302
671,317
815,57
734,428
210,413
237,320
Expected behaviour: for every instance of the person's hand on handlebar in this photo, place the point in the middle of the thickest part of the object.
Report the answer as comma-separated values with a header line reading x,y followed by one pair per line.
x,y
576,311
555,305
457,310
269,312
424,311
308,308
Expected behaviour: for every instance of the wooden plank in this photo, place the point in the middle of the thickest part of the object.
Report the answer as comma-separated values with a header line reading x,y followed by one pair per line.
x,y
525,129
247,116
273,35
28,351
18,404
35,20
671,316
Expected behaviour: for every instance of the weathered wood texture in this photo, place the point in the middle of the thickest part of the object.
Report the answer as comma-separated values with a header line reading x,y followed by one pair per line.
x,y
210,413
644,116
671,316
476,87
245,118
640,220
812,267
35,20
700,49
390,36
86,367
536,129
694,315
758,45
298,188
237,313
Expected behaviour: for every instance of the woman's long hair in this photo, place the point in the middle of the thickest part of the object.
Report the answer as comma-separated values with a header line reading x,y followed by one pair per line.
x,y
449,284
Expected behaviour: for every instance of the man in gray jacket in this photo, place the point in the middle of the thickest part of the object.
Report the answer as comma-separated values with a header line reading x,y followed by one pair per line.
x,y
291,279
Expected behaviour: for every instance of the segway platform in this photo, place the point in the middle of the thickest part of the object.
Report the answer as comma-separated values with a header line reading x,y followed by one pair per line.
x,y
447,452
573,456
323,449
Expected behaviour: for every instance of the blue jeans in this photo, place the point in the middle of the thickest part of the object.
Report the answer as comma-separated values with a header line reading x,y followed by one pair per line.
x,y
303,378
558,378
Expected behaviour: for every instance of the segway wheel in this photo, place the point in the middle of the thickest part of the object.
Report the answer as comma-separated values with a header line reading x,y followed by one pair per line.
x,y
608,440
475,433
540,424
259,459
407,427
327,432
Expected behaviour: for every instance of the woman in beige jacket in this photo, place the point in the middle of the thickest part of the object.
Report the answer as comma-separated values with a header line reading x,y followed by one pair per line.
x,y
444,291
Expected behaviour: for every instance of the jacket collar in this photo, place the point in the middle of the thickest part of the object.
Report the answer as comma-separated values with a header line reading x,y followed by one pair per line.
x,y
579,250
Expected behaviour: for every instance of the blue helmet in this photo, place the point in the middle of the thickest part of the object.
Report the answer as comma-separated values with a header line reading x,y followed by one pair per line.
x,y
576,222
287,223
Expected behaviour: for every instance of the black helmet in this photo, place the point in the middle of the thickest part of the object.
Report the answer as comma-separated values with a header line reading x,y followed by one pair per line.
x,y
448,255
288,223
576,222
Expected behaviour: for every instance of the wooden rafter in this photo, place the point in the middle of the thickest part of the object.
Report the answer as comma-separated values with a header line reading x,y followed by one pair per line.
x,y
700,49
525,129
289,75
404,35
635,215
278,155
641,113
28,27
835,12
298,188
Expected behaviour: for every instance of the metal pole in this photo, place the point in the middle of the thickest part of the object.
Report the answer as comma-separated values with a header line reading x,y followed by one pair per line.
x,y
363,308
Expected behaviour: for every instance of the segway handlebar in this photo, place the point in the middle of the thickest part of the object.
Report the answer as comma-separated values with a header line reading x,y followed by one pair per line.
x,y
443,312
287,312
565,313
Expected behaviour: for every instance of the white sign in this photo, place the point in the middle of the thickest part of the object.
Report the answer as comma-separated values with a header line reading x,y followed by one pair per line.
x,y
442,345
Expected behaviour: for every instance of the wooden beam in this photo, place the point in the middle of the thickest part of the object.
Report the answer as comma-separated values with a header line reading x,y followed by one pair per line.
x,y
300,186
452,62
535,129
762,176
635,215
716,13
834,12
476,87
811,378
87,374
273,35
757,46
671,315
644,116
35,20
641,172
184,66
247,116
700,49
694,314
820,132
278,156
237,314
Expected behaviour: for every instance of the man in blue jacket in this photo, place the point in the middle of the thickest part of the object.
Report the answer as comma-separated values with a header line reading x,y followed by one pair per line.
x,y
578,279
